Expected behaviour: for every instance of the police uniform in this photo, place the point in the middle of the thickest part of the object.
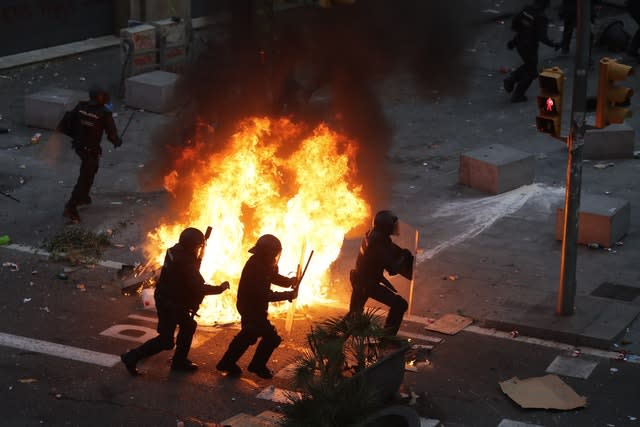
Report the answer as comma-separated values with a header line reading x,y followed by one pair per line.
x,y
530,26
254,296
377,254
178,293
85,124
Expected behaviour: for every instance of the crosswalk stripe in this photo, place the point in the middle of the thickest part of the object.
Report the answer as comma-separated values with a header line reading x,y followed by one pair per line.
x,y
59,350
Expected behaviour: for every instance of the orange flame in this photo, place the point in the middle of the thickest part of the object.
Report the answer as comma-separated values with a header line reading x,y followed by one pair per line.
x,y
273,177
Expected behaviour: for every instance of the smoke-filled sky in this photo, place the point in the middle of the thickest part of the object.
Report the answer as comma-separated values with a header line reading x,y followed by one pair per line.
x,y
324,64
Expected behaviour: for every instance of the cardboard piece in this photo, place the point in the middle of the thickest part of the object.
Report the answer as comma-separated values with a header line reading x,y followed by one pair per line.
x,y
449,324
548,392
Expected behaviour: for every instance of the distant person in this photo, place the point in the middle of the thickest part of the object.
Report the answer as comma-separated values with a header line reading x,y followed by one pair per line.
x,y
178,294
254,296
85,124
568,14
378,254
530,26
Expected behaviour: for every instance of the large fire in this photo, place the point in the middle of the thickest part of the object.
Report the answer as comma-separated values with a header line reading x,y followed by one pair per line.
x,y
273,176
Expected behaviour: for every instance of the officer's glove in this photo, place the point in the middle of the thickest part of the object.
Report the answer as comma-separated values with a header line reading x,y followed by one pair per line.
x,y
225,285
510,45
290,295
117,143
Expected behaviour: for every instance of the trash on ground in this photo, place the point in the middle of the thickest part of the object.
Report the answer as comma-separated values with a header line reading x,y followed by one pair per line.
x,y
279,395
27,380
5,240
613,370
81,286
452,277
593,246
62,276
514,334
12,266
26,300
547,392
35,139
449,324
148,301
604,165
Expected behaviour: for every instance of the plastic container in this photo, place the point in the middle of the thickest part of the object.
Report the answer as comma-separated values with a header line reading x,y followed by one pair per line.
x,y
148,301
5,240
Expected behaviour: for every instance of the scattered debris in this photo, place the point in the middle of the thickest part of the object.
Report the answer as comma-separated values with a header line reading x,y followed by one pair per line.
x,y
613,370
62,276
593,246
12,266
279,395
27,380
77,245
604,165
547,392
451,277
81,287
449,324
514,334
5,240
26,300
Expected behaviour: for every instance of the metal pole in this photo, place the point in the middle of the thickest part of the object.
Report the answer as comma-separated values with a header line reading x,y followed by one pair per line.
x,y
575,143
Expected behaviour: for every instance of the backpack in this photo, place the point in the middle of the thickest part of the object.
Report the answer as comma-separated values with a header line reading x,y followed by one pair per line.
x,y
68,123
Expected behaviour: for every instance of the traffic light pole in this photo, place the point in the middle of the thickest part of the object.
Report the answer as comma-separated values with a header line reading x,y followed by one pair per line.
x,y
575,143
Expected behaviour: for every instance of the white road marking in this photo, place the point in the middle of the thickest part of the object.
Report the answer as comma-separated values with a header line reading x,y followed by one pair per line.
x,y
59,350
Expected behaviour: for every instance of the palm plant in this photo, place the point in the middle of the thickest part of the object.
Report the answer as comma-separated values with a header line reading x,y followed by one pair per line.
x,y
333,392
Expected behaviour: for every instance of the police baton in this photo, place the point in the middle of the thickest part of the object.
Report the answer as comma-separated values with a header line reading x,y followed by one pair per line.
x,y
128,123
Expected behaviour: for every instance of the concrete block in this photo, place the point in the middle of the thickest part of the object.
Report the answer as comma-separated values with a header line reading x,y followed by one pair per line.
x,y
612,142
496,168
152,91
601,219
45,109
171,40
142,55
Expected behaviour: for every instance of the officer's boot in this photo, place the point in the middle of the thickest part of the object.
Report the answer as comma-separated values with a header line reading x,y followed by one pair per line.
x,y
130,359
258,364
236,349
71,212
183,345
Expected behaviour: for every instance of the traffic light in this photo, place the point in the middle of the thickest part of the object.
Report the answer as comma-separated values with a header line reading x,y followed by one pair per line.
x,y
611,96
549,101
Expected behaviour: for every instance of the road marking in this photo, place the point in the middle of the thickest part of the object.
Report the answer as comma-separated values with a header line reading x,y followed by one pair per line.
x,y
59,350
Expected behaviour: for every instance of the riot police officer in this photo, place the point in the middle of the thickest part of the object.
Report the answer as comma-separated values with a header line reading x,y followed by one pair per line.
x,y
254,296
530,26
85,124
178,294
377,254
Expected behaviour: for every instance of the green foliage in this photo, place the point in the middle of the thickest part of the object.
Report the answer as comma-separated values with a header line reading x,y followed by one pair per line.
x,y
338,348
77,245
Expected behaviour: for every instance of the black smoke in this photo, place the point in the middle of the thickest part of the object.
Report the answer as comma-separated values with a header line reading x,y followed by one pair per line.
x,y
320,64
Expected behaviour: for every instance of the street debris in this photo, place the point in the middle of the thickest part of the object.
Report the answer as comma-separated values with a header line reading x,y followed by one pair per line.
x,y
62,276
5,240
81,287
514,334
604,165
547,392
636,154
451,277
12,266
77,245
417,357
449,324
279,395
27,380
613,370
26,300
148,301
593,246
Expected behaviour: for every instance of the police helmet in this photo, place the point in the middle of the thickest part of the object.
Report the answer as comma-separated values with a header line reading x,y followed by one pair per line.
x,y
99,95
191,238
267,244
386,222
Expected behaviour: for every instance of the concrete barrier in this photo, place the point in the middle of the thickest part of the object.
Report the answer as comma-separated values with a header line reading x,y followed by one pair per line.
x,y
45,109
612,142
601,219
496,169
153,91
